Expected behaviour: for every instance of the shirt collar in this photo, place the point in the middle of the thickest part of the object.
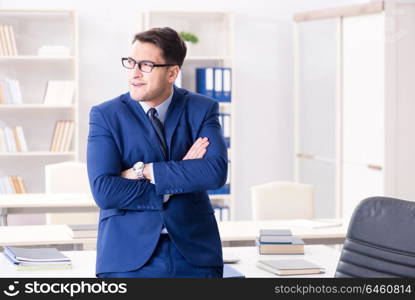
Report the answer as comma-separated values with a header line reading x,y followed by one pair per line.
x,y
161,108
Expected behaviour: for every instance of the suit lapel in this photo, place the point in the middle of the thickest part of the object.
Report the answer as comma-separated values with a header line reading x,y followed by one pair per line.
x,y
145,124
173,116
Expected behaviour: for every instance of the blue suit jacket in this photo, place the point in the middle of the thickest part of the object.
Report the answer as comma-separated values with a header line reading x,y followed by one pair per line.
x,y
132,212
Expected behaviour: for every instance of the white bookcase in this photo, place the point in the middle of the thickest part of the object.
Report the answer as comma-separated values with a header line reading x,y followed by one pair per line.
x,y
354,104
32,30
214,49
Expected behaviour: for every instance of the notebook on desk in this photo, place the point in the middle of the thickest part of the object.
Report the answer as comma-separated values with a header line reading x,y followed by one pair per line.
x,y
289,267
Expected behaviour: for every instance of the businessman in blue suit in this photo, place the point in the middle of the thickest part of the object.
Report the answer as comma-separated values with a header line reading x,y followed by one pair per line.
x,y
152,155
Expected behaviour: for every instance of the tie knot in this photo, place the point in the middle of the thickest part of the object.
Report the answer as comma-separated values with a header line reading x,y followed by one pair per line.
x,y
152,112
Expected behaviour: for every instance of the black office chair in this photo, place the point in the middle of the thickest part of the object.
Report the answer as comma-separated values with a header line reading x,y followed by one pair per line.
x,y
380,240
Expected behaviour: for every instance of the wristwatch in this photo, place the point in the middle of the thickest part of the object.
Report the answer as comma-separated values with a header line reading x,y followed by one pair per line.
x,y
138,169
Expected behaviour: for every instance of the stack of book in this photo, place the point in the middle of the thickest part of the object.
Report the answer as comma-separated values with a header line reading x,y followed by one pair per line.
x,y
62,136
59,92
10,92
214,82
12,185
37,258
7,41
83,230
289,267
12,139
279,241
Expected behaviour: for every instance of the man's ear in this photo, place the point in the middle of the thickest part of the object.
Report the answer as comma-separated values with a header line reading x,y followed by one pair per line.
x,y
173,73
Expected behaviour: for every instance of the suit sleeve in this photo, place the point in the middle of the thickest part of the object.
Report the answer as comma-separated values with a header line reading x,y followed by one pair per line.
x,y
196,175
109,189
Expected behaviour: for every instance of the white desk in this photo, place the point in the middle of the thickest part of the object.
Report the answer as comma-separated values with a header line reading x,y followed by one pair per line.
x,y
84,263
310,231
44,203
229,231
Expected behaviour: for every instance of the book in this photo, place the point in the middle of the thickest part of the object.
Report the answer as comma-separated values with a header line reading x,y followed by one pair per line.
x,y
35,255
21,138
289,267
62,136
21,185
273,244
280,232
68,137
83,230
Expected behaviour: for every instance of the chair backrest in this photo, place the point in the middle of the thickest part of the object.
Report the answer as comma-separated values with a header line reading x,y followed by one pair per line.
x,y
281,200
380,240
68,177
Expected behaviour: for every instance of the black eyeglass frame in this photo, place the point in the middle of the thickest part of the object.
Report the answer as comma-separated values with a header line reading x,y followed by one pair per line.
x,y
148,62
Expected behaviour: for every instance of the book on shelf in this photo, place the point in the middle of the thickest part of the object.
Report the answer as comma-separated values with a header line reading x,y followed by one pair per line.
x,y
7,41
62,136
83,230
10,92
214,82
290,267
12,139
59,92
37,258
12,185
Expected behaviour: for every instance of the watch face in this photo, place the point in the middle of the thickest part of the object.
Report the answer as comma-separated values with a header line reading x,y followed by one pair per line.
x,y
138,165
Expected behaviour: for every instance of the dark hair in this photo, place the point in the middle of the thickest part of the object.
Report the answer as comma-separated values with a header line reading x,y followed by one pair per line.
x,y
168,40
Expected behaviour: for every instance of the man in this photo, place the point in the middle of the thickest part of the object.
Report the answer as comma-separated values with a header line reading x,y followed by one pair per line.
x,y
152,155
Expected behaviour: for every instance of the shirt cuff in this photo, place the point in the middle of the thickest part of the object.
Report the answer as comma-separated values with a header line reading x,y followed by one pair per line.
x,y
153,181
166,197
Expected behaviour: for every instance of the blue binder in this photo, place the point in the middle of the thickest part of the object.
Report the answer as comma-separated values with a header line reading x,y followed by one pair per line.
x,y
205,81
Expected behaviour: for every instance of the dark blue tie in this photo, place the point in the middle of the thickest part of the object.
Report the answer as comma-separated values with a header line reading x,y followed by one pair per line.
x,y
159,128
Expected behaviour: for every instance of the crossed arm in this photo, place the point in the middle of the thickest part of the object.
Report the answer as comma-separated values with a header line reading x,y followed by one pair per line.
x,y
198,150
201,169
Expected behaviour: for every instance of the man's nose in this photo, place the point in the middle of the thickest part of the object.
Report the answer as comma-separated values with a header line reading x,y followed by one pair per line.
x,y
136,72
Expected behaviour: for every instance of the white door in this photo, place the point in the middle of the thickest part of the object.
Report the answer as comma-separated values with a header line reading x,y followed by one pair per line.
x,y
363,58
316,86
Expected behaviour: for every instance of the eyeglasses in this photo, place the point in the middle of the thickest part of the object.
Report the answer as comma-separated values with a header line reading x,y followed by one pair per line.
x,y
145,66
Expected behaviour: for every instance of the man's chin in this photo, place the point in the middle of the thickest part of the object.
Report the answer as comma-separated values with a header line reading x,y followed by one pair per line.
x,y
137,97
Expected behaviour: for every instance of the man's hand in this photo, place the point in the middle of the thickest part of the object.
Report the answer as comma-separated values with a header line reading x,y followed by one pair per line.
x,y
198,149
129,174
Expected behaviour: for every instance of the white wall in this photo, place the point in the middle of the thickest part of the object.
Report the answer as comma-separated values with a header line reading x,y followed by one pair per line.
x,y
264,98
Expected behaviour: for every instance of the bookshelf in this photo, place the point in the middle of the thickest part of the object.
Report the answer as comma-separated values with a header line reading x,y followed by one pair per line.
x,y
214,49
33,67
